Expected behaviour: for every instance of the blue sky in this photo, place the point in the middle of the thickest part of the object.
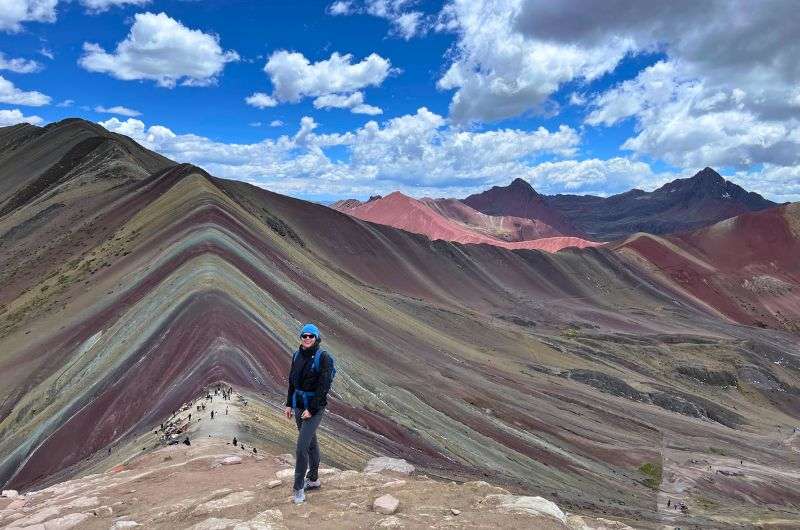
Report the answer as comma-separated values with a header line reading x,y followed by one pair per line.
x,y
326,100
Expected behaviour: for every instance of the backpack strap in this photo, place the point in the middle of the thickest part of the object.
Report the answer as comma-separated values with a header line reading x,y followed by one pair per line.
x,y
317,358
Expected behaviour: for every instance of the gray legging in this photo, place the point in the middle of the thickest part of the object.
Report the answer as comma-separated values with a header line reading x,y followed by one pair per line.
x,y
307,452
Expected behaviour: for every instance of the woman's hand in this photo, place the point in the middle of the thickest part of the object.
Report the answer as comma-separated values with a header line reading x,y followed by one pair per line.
x,y
288,413
306,414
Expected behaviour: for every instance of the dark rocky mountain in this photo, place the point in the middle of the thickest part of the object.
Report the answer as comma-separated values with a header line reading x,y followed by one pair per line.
x,y
680,205
519,199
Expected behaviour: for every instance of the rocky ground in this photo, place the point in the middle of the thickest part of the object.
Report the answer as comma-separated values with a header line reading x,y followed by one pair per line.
x,y
213,485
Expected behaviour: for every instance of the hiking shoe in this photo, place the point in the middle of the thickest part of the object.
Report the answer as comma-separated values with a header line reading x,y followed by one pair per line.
x,y
299,497
312,484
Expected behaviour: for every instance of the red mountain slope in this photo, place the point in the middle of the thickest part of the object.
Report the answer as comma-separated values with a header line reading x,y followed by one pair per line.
x,y
747,268
425,217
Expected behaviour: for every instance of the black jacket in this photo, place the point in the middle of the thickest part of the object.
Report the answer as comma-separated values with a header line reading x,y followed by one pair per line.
x,y
302,376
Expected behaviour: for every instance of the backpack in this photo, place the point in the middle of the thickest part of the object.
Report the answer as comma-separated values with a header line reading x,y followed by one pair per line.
x,y
317,360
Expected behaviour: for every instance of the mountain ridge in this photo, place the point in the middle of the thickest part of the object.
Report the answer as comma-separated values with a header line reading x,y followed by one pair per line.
x,y
122,303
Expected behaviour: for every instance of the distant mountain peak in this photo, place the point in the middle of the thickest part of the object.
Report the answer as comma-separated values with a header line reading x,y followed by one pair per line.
x,y
708,174
519,185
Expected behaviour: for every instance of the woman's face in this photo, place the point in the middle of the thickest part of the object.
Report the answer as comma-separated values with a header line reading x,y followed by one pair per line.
x,y
307,340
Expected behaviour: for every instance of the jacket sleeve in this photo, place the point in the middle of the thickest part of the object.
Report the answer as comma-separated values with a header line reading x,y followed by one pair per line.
x,y
324,384
291,384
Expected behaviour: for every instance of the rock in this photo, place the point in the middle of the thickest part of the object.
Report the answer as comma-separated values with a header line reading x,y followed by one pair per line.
x,y
455,512
38,517
16,504
103,511
82,502
232,499
67,521
386,504
577,522
328,471
285,474
390,522
274,483
525,504
215,523
231,460
10,494
384,463
286,458
353,506
266,520
393,483
124,524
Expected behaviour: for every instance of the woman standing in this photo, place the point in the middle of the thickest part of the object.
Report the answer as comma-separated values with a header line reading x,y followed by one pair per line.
x,y
309,383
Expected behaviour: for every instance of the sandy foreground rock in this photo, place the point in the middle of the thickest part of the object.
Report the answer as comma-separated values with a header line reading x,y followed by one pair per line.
x,y
385,463
185,487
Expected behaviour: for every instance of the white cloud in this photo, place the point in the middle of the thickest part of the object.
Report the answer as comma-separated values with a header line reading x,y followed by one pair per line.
x,y
409,25
161,49
418,153
341,8
254,124
66,103
295,77
98,6
366,109
275,123
690,124
118,109
724,95
779,183
498,72
594,176
354,102
20,66
338,101
15,116
406,23
14,12
260,100
14,96
46,52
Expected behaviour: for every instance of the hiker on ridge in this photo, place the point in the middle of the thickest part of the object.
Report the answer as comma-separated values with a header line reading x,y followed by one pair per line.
x,y
309,381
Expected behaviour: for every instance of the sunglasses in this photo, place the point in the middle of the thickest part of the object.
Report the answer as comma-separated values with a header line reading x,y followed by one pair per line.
x,y
307,336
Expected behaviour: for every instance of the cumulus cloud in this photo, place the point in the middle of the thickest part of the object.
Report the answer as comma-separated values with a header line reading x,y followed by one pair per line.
x,y
688,123
499,72
98,6
724,95
418,153
161,49
19,66
594,176
341,8
334,83
406,22
260,100
15,116
295,77
14,12
14,96
117,109
275,123
780,183
354,102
